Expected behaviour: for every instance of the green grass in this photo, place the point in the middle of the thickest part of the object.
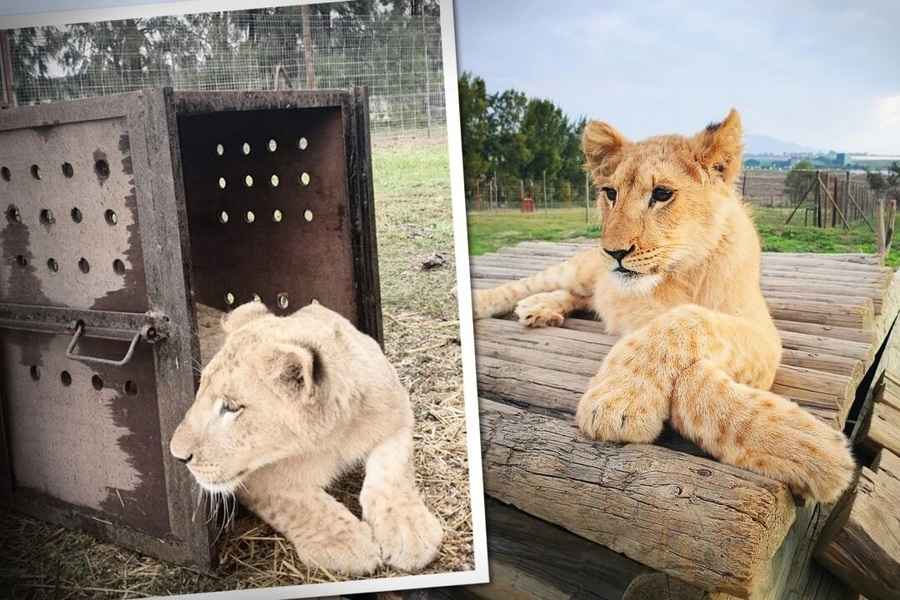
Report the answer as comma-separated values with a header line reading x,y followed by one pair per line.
x,y
414,220
490,231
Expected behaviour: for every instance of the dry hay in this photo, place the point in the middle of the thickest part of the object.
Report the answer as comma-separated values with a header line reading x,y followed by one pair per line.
x,y
421,329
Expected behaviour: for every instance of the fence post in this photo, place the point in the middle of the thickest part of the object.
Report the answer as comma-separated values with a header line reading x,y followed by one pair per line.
x,y
7,87
890,220
819,217
837,203
546,206
427,77
879,227
309,58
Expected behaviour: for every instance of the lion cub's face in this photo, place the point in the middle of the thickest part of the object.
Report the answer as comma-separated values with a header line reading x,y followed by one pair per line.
x,y
258,402
663,199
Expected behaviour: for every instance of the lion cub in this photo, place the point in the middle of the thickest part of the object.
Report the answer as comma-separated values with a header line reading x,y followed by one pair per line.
x,y
286,406
676,272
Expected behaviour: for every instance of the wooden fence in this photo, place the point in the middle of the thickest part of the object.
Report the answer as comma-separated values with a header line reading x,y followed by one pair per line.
x,y
832,199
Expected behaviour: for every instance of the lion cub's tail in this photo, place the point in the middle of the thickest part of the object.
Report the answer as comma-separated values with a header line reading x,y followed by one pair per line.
x,y
762,432
578,275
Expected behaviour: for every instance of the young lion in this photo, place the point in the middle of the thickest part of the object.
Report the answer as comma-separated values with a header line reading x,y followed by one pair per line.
x,y
678,273
287,405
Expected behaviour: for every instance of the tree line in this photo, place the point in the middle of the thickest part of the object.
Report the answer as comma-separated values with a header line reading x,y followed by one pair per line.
x,y
508,136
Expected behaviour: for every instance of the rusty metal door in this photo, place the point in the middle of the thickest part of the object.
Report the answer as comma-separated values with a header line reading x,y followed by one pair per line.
x,y
118,214
95,326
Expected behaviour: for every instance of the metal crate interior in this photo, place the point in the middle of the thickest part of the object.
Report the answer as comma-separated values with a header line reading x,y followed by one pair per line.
x,y
120,214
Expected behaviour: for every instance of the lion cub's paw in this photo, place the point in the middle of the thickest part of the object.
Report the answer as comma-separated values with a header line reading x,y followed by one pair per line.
x,y
351,551
613,410
540,310
818,463
409,534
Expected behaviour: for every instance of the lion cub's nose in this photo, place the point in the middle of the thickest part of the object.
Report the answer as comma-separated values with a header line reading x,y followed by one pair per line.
x,y
619,254
180,446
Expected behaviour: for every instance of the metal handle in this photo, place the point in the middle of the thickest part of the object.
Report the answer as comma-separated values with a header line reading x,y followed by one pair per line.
x,y
79,330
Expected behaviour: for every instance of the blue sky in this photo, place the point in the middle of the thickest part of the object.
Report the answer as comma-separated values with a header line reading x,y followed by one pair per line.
x,y
822,74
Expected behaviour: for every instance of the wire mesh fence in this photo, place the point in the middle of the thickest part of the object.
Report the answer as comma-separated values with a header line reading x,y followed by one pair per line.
x,y
398,57
821,198
503,192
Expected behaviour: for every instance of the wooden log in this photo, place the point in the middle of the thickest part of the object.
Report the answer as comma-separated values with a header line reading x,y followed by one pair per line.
x,y
816,288
868,287
793,574
851,334
706,523
811,271
820,275
884,430
594,332
891,395
665,587
861,546
859,316
588,365
552,376
883,324
853,260
531,559
833,314
782,288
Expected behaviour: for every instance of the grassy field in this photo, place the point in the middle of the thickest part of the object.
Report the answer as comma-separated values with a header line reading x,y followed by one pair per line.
x,y
421,330
489,231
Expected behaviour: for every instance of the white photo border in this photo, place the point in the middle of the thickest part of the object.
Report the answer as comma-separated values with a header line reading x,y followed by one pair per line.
x,y
463,292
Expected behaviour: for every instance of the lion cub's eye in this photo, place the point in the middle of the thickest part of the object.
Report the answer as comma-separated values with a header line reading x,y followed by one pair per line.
x,y
230,408
611,194
660,194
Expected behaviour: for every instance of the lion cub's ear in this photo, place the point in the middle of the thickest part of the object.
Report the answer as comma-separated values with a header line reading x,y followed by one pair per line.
x,y
719,147
242,315
602,146
294,368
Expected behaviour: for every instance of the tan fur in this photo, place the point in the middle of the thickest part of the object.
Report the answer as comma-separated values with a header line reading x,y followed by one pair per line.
x,y
699,347
316,396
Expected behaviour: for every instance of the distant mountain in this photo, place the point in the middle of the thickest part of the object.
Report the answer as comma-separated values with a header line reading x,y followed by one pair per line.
x,y
755,143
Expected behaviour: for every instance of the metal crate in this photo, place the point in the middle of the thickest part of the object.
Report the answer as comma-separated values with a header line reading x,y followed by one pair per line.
x,y
121,212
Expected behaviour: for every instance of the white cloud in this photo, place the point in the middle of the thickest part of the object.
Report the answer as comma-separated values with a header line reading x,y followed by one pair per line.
x,y
887,111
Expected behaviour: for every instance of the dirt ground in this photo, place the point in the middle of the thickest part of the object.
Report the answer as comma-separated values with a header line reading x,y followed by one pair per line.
x,y
412,192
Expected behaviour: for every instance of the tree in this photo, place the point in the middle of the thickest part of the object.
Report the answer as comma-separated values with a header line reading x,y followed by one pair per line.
x,y
507,151
525,141
799,179
573,157
545,130
881,183
473,112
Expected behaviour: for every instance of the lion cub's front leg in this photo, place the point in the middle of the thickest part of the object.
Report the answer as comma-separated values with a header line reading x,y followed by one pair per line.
x,y
628,400
322,530
409,534
550,309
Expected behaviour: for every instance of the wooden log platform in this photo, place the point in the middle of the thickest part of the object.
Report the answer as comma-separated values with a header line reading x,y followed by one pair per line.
x,y
862,544
667,507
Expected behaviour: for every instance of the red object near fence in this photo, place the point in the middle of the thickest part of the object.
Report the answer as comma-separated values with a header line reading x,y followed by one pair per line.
x,y
527,204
